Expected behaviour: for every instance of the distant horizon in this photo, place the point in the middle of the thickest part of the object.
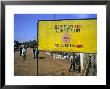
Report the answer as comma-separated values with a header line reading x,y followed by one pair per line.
x,y
25,25
25,41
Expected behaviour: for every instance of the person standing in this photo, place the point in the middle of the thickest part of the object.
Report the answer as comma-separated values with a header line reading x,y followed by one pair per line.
x,y
89,66
34,52
65,55
24,52
37,52
72,61
20,50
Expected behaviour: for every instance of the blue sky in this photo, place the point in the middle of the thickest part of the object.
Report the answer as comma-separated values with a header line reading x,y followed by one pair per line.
x,y
25,25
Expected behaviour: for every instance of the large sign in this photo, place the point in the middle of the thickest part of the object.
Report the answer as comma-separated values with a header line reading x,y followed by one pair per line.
x,y
68,35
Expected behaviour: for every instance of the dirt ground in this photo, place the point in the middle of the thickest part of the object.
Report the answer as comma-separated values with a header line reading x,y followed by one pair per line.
x,y
47,66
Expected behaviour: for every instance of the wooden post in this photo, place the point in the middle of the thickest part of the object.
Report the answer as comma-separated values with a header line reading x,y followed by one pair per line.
x,y
81,62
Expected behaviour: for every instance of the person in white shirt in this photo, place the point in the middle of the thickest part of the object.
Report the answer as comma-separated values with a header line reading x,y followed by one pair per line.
x,y
24,52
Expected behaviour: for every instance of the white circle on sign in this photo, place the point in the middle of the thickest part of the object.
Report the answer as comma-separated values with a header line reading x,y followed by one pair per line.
x,y
66,38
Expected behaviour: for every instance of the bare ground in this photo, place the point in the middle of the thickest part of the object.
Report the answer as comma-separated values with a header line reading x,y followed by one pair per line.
x,y
47,66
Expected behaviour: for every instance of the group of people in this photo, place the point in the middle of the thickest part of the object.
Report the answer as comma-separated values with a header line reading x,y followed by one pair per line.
x,y
23,51
74,61
35,52
73,57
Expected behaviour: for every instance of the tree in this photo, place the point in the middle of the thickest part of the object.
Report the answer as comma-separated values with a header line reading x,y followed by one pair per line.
x,y
16,44
34,42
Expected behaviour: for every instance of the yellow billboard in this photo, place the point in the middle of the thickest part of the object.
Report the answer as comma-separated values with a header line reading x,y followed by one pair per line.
x,y
68,35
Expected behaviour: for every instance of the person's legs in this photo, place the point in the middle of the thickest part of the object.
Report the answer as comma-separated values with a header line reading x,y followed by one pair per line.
x,y
24,55
34,55
70,67
20,53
